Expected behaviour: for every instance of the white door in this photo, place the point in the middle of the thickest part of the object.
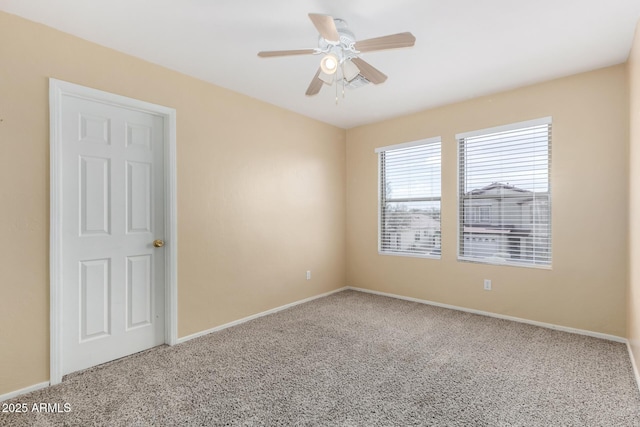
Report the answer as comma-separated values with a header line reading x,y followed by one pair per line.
x,y
113,277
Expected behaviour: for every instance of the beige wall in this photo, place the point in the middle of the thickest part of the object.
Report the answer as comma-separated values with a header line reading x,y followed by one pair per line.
x,y
261,198
586,288
634,198
261,194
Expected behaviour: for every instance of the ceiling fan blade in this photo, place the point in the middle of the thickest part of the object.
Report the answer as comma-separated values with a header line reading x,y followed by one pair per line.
x,y
386,42
325,26
369,72
315,85
270,53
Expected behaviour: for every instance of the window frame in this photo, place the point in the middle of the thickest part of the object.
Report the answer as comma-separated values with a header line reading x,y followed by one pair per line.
x,y
379,151
460,212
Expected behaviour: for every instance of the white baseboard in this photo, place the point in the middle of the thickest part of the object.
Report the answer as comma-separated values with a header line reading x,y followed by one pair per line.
x,y
636,374
39,386
499,316
257,315
22,391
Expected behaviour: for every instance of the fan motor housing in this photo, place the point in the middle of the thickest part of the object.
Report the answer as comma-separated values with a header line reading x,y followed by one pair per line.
x,y
347,38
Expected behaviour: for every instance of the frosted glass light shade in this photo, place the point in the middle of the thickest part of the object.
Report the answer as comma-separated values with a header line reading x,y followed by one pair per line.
x,y
329,64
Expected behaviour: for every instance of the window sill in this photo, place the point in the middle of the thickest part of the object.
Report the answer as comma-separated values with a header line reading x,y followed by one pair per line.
x,y
505,263
404,254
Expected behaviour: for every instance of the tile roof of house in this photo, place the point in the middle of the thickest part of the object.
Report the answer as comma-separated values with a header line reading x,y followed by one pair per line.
x,y
497,185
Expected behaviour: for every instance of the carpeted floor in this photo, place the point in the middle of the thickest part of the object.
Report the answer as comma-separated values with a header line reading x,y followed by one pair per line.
x,y
355,359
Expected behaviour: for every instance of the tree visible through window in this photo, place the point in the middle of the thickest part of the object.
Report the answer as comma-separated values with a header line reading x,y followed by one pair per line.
x,y
505,197
410,198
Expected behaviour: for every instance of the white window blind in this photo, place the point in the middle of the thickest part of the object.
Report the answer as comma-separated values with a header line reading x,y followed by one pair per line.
x,y
410,198
505,198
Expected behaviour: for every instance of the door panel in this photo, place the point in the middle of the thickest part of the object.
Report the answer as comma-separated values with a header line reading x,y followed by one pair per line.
x,y
139,176
139,291
94,129
113,279
95,289
95,189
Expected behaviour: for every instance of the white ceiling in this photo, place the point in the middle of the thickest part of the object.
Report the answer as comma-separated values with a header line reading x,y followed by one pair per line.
x,y
464,48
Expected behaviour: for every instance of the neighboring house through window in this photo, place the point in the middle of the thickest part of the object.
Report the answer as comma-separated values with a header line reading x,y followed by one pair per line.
x,y
410,176
504,194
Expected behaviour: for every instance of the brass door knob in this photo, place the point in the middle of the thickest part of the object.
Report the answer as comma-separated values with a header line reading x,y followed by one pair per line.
x,y
158,243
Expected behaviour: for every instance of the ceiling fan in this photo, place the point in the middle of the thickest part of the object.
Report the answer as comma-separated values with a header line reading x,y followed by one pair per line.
x,y
341,61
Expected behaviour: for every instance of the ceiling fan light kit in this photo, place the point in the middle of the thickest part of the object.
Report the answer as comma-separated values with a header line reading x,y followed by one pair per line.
x,y
326,78
341,62
329,64
349,70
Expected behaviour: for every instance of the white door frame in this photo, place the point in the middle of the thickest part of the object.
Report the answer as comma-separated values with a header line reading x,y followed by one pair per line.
x,y
58,89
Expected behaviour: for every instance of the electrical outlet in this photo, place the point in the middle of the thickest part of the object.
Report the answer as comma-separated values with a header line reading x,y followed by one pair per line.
x,y
308,274
487,284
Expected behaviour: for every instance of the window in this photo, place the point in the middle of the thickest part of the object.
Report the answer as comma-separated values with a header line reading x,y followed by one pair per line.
x,y
479,214
410,198
504,194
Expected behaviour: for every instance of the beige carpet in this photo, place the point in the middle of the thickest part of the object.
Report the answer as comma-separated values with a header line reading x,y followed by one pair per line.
x,y
354,359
